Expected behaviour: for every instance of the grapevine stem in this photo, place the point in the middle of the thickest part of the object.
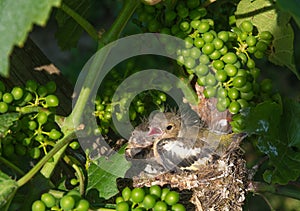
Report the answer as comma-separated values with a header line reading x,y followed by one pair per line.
x,y
117,27
80,20
63,142
284,190
79,173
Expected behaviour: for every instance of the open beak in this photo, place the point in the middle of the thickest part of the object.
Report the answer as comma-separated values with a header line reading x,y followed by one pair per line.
x,y
154,131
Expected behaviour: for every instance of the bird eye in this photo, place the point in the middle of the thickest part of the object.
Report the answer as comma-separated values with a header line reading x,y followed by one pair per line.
x,y
169,127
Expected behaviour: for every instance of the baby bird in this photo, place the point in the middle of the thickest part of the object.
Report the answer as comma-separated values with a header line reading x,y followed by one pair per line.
x,y
176,142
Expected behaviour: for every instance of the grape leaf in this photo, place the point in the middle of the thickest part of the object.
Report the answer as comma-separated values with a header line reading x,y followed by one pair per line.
x,y
16,20
266,17
278,132
292,7
69,31
103,172
6,120
8,188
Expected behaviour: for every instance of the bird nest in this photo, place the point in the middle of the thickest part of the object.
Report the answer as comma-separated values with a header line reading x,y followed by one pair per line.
x,y
218,185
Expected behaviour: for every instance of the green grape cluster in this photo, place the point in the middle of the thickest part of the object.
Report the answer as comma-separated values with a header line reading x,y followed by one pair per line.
x,y
222,62
153,198
104,105
71,201
35,130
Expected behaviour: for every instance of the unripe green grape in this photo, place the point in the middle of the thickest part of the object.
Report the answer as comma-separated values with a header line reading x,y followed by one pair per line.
x,y
42,118
265,35
172,198
218,64
209,91
221,92
218,43
137,195
204,59
154,26
188,42
48,200
243,58
251,49
221,75
122,206
234,107
42,91
17,93
251,40
208,37
35,152
67,202
208,48
183,12
266,85
223,35
203,27
82,205
31,85
74,181
233,93
195,53
259,54
195,14
195,23
185,53
201,81
215,55
189,62
119,199
231,70
160,206
184,26
149,201
224,102
210,80
199,42
126,193
243,36
246,88
223,50
7,97
51,87
255,72
155,190
38,206
261,46
178,207
243,103
220,107
239,81
247,95
250,63
230,58
3,107
246,26
54,134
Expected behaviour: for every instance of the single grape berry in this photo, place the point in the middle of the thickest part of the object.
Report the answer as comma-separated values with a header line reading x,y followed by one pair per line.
x,y
35,152
17,93
54,134
7,98
82,205
74,145
51,87
137,195
52,101
3,107
230,58
38,206
149,201
155,190
172,198
126,193
178,207
246,26
160,206
221,75
203,27
122,206
234,107
164,193
239,81
67,202
42,118
48,199
266,85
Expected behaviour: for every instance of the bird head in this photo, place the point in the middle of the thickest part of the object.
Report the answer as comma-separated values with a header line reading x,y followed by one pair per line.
x,y
164,125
